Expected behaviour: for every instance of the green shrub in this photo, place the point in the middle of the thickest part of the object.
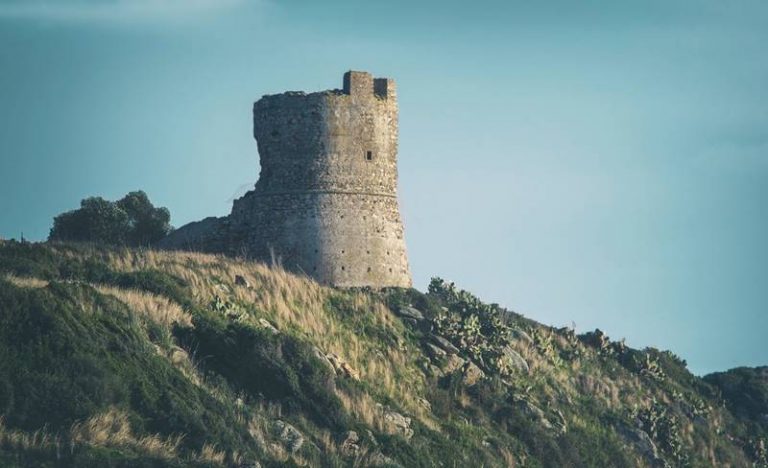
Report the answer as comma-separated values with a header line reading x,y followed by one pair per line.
x,y
132,220
277,367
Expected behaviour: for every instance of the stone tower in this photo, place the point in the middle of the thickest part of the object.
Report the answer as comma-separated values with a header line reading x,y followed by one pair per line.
x,y
326,200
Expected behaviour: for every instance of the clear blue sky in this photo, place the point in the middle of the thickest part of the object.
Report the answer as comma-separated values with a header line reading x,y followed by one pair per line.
x,y
601,163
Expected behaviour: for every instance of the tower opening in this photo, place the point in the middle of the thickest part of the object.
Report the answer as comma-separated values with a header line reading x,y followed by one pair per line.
x,y
369,155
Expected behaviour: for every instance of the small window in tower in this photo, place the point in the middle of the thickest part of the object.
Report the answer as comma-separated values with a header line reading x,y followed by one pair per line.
x,y
342,268
369,269
369,155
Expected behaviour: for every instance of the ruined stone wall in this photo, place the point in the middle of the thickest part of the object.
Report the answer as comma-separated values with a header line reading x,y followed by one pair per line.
x,y
326,199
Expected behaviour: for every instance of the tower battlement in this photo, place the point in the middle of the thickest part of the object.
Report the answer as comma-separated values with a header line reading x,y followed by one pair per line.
x,y
357,83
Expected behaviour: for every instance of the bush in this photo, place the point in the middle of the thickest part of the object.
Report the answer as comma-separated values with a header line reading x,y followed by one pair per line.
x,y
133,221
277,367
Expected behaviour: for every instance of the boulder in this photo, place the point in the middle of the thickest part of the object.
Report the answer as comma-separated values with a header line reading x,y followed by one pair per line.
x,y
411,313
433,370
371,439
319,354
534,413
444,344
349,371
268,326
517,361
424,403
472,374
435,352
642,443
520,335
289,436
342,367
452,364
411,322
350,444
401,424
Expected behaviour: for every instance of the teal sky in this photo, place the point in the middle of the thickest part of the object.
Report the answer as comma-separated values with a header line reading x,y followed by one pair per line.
x,y
597,163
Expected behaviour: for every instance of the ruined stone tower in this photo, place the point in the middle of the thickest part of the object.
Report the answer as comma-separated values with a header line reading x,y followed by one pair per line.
x,y
326,200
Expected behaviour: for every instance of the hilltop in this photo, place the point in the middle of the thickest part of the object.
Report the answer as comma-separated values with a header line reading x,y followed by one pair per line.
x,y
131,357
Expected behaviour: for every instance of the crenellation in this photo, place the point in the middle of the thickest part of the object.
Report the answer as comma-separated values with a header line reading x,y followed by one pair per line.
x,y
384,88
358,83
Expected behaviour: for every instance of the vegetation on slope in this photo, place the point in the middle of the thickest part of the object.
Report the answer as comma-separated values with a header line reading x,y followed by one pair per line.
x,y
120,357
132,220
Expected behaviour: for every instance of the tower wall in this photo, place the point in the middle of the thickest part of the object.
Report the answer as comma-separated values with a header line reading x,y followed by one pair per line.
x,y
326,199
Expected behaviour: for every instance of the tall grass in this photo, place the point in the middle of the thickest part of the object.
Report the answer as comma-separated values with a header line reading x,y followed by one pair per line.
x,y
26,282
158,309
293,303
112,429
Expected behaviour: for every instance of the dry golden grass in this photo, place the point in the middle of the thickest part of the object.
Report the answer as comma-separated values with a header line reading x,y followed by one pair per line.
x,y
290,302
25,440
158,309
164,312
508,457
209,454
327,442
26,282
112,429
108,429
364,408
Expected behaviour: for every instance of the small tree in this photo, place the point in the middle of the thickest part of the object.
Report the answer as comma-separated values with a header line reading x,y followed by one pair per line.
x,y
148,224
133,220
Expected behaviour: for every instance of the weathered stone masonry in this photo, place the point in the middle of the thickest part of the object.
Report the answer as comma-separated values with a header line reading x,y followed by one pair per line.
x,y
326,200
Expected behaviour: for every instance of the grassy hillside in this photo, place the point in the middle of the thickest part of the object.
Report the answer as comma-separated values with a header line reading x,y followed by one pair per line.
x,y
144,358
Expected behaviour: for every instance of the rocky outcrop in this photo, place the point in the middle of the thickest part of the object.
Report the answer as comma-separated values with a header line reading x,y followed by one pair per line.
x,y
265,324
289,436
349,445
411,313
516,361
444,344
472,374
342,367
401,424
534,413
640,441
